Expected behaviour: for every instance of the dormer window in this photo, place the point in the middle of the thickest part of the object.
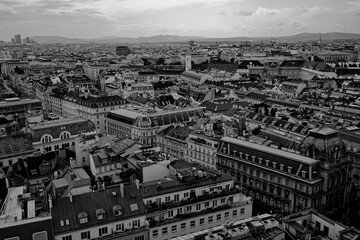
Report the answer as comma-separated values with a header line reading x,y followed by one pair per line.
x,y
289,169
83,217
303,174
100,213
260,160
267,163
253,158
117,210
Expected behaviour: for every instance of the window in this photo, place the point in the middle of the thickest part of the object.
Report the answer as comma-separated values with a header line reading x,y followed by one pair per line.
x,y
141,237
207,204
222,200
40,236
202,221
242,211
165,231
170,213
188,208
198,207
167,199
67,237
155,233
136,223
234,213
67,221
61,223
326,231
103,231
227,214
161,217
218,217
192,224
173,228
183,226
119,227
176,198
214,203
186,194
210,219
85,235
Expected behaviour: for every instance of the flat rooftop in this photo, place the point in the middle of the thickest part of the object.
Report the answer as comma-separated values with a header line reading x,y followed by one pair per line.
x,y
58,122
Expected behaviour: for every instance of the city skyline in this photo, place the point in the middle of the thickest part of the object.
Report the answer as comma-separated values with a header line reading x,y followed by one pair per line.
x,y
208,18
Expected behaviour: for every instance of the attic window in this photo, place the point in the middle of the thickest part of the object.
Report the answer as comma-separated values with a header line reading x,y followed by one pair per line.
x,y
289,169
100,213
61,223
83,217
117,210
67,221
274,164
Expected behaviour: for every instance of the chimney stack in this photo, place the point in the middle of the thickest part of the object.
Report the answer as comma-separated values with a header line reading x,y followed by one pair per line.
x,y
122,190
137,183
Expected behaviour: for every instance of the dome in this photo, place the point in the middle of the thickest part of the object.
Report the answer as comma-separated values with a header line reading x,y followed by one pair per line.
x,y
323,144
143,122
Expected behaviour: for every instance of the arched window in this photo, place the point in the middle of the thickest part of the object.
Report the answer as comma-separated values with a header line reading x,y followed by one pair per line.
x,y
64,135
46,138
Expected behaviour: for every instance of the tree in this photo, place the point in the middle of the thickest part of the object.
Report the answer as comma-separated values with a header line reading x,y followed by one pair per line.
x,y
160,61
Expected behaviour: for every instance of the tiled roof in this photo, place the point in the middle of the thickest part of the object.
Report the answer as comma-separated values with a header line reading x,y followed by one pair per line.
x,y
89,203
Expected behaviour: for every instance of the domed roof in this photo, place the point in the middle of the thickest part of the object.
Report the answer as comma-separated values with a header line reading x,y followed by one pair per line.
x,y
323,144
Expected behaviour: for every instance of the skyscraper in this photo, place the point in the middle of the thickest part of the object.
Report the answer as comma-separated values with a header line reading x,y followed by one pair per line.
x,y
17,38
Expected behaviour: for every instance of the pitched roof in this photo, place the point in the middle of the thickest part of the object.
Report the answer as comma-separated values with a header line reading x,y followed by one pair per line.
x,y
90,202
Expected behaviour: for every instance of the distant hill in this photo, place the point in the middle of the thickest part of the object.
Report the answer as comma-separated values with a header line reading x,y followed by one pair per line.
x,y
177,38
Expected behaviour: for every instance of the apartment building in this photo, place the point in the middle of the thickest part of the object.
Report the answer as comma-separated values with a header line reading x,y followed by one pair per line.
x,y
95,108
58,134
142,125
317,178
25,215
202,148
191,200
172,140
115,213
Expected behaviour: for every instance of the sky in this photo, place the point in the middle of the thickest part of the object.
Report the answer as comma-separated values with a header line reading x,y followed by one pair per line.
x,y
208,18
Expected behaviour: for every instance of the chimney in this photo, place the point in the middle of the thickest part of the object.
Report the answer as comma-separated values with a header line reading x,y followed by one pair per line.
x,y
70,197
137,183
122,190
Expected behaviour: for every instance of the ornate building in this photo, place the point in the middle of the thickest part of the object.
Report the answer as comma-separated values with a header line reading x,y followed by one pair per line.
x,y
317,178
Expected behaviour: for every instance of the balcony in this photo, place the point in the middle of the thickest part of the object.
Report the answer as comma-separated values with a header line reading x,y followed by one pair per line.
x,y
207,196
118,235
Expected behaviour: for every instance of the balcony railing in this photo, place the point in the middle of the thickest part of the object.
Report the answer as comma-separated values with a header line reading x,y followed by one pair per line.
x,y
116,235
206,196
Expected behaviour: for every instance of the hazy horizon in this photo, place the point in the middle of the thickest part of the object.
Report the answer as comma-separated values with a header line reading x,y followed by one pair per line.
x,y
205,18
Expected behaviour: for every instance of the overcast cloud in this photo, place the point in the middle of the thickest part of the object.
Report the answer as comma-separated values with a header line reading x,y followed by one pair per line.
x,y
210,18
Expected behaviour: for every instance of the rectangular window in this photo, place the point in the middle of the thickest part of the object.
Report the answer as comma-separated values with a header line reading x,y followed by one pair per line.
x,y
202,221
198,207
242,211
214,203
155,233
103,231
207,204
186,194
218,217
210,219
176,197
165,231
188,208
170,213
136,223
141,237
227,214
234,213
192,224
85,235
183,226
222,200
67,237
173,228
119,227
167,199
